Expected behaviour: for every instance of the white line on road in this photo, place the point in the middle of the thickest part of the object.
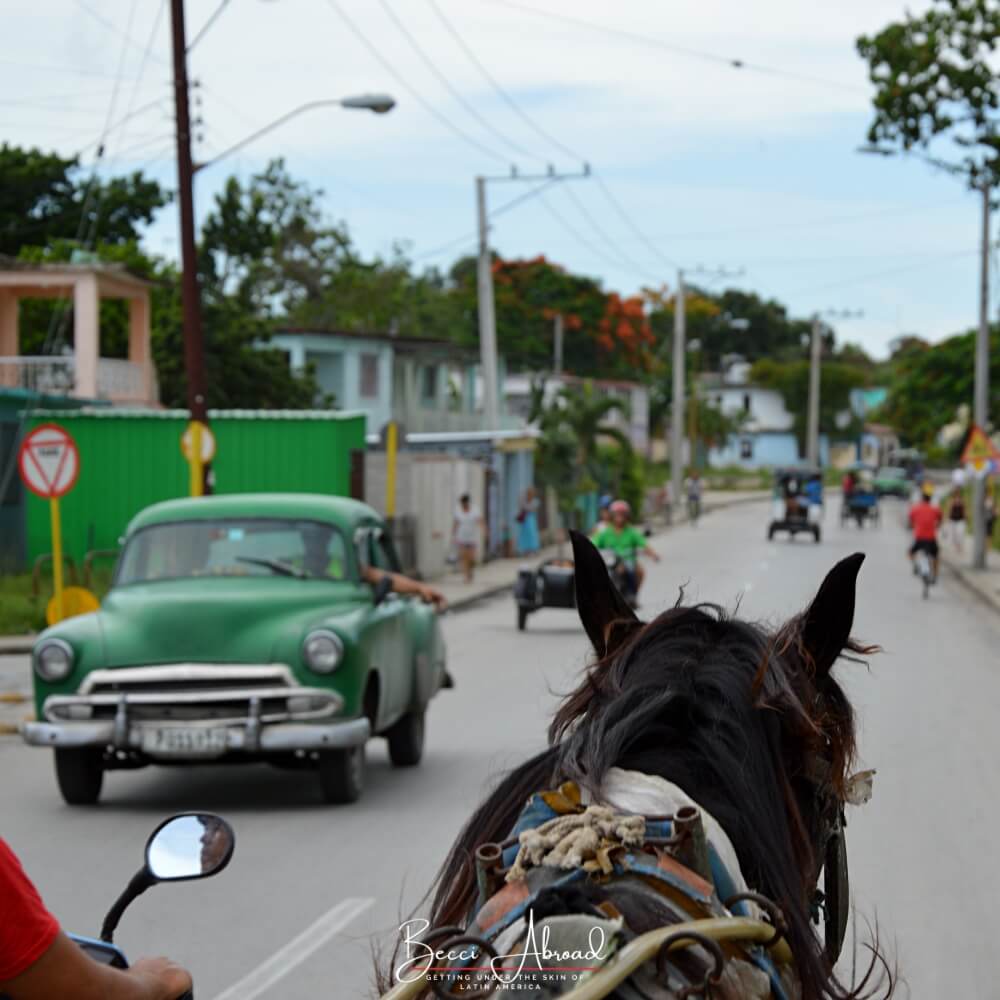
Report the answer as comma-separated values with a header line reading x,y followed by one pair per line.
x,y
261,979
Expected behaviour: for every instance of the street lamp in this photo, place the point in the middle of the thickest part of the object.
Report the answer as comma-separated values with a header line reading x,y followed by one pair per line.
x,y
380,104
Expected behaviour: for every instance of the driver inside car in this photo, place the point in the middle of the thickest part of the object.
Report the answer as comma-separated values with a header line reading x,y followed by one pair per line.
x,y
39,962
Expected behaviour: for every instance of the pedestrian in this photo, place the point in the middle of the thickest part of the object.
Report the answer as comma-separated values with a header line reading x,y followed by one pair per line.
x,y
956,519
528,542
466,532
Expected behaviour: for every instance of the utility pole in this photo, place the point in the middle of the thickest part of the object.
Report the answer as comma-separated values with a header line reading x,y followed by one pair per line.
x,y
557,345
980,410
815,365
815,354
677,419
484,286
194,359
487,315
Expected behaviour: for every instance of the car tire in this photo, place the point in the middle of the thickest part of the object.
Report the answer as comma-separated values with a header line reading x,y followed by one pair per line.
x,y
522,618
342,774
406,740
80,774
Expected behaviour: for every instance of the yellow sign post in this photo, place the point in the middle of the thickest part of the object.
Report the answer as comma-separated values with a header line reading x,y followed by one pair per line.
x,y
49,464
391,443
198,447
979,452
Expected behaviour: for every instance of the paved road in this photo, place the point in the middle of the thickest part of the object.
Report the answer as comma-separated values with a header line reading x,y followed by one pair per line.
x,y
922,852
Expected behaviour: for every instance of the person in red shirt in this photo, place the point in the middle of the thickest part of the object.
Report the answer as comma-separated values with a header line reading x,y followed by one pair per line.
x,y
925,519
39,962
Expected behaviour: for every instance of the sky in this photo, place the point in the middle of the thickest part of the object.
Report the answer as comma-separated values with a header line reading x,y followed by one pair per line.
x,y
745,177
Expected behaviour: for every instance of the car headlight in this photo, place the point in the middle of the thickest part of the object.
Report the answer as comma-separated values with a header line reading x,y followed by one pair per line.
x,y
53,660
323,650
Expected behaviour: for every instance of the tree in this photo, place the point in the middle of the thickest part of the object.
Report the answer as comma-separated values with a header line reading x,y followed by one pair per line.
x,y
934,78
928,385
45,198
791,379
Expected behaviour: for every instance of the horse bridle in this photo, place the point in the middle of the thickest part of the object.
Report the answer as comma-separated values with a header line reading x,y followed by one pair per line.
x,y
833,900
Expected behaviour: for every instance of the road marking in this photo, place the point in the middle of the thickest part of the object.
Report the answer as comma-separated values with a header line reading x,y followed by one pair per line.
x,y
261,979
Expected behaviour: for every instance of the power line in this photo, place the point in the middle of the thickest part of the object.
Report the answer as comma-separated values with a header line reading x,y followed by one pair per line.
x,y
660,43
494,83
405,84
111,26
447,84
207,25
627,219
601,232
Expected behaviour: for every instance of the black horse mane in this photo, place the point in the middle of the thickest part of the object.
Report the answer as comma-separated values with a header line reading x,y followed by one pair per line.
x,y
725,709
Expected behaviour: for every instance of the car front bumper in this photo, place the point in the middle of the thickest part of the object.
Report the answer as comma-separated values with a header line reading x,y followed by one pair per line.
x,y
274,738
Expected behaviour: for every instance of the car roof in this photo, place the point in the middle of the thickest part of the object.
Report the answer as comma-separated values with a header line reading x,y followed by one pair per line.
x,y
341,511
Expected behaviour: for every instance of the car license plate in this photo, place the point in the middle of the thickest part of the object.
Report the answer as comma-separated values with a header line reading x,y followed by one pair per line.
x,y
184,742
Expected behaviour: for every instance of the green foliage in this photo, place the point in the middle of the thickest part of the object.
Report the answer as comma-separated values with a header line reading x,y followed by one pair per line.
x,y
45,197
572,457
934,75
791,379
929,383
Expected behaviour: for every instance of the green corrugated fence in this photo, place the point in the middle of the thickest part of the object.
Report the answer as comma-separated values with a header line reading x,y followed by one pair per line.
x,y
132,458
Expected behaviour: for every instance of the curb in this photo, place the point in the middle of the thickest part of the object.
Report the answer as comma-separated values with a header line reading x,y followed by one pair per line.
x,y
15,644
960,574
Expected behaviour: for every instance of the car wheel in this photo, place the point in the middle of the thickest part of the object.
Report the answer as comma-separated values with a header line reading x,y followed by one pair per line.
x,y
80,774
342,774
522,617
406,740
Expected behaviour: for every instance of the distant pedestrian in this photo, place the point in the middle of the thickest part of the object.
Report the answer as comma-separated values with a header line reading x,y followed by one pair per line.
x,y
956,519
466,533
528,542
693,489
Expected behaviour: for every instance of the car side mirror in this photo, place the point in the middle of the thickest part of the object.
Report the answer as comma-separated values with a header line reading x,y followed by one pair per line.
x,y
382,590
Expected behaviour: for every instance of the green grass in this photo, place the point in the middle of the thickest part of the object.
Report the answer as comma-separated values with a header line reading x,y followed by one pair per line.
x,y
22,611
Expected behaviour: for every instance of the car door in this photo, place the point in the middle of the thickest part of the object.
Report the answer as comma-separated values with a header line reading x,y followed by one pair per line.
x,y
389,655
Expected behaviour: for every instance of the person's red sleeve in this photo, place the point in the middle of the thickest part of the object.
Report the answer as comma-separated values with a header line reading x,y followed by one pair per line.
x,y
27,929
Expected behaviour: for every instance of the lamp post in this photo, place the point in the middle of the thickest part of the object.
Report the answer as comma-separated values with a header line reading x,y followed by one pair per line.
x,y
380,104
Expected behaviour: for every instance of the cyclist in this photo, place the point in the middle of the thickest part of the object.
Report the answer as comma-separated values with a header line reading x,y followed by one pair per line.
x,y
692,488
925,518
626,541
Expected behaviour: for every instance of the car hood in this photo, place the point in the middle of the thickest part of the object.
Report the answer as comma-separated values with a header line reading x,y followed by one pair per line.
x,y
214,620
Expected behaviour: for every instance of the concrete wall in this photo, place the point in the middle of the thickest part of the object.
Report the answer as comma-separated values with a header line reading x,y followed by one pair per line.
x,y
767,406
427,489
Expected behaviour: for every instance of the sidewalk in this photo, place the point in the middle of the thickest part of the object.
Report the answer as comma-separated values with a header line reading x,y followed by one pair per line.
x,y
498,576
984,584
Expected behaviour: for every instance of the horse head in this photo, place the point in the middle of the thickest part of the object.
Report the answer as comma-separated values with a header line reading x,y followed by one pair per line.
x,y
747,722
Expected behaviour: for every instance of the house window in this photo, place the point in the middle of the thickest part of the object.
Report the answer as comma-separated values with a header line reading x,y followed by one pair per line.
x,y
746,448
369,376
429,383
746,402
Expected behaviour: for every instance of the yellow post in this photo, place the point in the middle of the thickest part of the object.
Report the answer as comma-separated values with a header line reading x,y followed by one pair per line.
x,y
197,469
57,556
390,469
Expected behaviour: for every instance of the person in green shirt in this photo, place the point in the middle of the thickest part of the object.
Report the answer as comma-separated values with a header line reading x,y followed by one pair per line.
x,y
626,541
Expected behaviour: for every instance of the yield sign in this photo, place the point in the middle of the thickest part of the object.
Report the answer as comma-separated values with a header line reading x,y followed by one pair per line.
x,y
979,450
49,461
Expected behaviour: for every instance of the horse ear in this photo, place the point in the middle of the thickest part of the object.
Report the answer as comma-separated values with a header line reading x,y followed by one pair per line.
x,y
827,622
600,606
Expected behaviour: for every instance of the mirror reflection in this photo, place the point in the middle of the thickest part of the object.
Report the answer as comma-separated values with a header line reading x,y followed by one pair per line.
x,y
189,847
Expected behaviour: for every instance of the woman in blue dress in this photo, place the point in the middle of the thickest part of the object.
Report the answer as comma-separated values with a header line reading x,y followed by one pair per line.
x,y
528,542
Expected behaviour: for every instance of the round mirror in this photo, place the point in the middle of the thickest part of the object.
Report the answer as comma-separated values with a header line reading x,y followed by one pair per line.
x,y
195,845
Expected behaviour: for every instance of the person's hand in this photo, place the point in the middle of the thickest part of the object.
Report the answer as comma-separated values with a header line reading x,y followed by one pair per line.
x,y
161,978
431,595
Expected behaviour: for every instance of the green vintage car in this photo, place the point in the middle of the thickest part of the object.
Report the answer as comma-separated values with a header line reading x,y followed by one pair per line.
x,y
892,480
240,628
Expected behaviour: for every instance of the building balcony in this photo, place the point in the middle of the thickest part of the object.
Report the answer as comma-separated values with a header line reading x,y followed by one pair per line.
x,y
118,381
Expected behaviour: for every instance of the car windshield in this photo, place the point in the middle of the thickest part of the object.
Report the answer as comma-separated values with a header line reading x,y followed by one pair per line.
x,y
891,472
234,547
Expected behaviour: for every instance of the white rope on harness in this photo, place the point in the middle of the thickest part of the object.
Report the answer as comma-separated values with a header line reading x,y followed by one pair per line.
x,y
572,840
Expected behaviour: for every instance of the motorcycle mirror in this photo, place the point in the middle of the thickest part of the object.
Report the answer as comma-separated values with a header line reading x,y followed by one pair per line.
x,y
186,846
193,845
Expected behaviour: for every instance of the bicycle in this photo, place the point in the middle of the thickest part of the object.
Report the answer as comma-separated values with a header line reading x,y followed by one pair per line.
x,y
922,567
